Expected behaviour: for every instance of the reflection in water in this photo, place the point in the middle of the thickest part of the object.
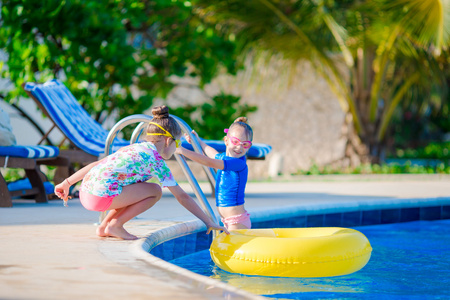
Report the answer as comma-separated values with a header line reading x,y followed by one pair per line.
x,y
279,285
409,261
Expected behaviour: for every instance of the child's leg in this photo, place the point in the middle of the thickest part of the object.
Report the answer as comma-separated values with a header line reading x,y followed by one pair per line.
x,y
101,228
134,200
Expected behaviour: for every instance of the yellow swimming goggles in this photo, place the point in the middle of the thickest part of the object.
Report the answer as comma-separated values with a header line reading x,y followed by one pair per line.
x,y
166,133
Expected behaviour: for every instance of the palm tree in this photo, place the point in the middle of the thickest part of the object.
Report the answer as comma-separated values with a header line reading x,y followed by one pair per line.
x,y
388,47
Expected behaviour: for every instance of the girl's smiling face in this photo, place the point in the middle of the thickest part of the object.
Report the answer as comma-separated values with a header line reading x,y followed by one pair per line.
x,y
238,150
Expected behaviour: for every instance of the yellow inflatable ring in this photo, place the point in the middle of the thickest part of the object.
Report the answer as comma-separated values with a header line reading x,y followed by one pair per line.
x,y
292,252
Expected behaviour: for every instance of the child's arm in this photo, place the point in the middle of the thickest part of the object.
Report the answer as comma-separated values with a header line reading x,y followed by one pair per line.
x,y
184,199
62,189
201,159
209,151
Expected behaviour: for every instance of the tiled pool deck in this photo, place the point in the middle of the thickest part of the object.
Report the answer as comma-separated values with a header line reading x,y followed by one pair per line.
x,y
51,252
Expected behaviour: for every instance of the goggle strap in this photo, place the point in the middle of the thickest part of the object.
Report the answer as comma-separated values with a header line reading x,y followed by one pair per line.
x,y
163,134
166,133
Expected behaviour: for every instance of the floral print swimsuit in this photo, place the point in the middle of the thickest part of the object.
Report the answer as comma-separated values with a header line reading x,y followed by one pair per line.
x,y
131,164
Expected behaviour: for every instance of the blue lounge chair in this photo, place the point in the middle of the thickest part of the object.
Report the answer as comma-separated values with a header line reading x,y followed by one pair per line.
x,y
28,158
84,133
86,136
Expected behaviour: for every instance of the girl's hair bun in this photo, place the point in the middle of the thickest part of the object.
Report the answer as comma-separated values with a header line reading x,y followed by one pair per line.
x,y
160,112
162,118
241,119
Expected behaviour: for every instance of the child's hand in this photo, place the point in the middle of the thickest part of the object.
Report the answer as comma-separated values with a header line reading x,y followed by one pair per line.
x,y
179,150
188,137
62,191
217,227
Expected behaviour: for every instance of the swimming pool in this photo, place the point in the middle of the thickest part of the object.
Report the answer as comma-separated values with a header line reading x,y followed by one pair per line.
x,y
410,260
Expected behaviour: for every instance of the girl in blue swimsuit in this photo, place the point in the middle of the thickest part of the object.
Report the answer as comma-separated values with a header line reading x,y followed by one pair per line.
x,y
232,172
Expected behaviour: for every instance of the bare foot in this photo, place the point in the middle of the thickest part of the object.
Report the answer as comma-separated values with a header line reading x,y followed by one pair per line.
x,y
101,231
119,232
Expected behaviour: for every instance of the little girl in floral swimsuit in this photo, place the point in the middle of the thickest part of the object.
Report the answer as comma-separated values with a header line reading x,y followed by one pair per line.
x,y
118,182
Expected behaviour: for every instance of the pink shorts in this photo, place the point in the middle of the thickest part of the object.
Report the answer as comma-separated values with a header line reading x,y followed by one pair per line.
x,y
96,203
243,219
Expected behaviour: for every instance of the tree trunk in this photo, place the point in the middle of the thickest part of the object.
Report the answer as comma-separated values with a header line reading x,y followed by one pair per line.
x,y
356,152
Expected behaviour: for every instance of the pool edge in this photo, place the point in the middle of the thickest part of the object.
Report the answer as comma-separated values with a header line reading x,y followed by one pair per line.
x,y
141,249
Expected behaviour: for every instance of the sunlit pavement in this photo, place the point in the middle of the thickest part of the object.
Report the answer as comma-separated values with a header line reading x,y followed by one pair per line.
x,y
49,251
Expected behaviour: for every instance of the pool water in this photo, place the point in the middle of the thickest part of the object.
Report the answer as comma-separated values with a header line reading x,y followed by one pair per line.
x,y
409,261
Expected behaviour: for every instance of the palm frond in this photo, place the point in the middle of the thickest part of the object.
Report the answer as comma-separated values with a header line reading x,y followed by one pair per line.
x,y
394,103
427,22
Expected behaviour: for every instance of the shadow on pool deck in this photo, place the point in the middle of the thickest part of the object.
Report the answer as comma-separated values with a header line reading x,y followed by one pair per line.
x,y
51,252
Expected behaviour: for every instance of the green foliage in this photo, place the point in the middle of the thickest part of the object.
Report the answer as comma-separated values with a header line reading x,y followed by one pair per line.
x,y
11,174
102,50
391,50
407,168
81,42
431,151
423,117
214,117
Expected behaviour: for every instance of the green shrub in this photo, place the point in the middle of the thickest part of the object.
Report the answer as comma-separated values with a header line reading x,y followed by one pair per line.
x,y
407,168
431,151
210,119
11,174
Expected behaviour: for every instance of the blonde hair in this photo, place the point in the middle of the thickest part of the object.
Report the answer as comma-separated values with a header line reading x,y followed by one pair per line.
x,y
161,117
242,122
